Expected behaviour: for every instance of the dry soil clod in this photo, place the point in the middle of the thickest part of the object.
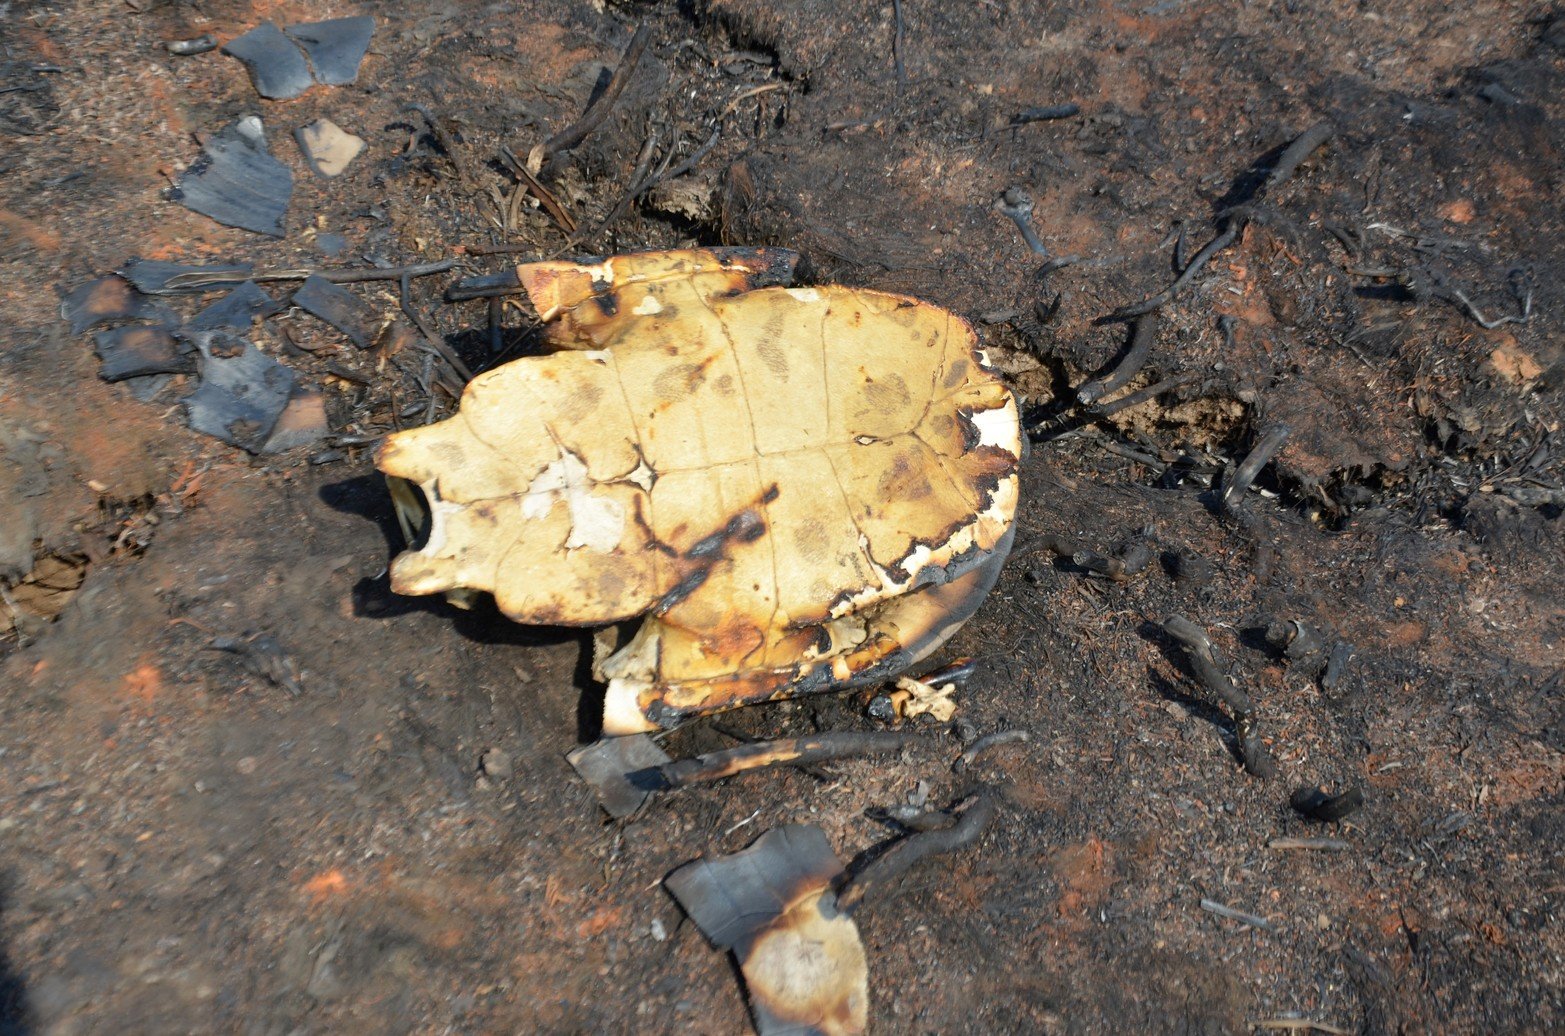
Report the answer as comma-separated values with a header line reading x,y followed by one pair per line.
x,y
1317,805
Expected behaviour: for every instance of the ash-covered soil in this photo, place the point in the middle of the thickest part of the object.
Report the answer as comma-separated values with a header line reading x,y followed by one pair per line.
x,y
308,838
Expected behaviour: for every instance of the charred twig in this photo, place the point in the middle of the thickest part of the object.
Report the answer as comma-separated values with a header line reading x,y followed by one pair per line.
x,y
576,132
216,279
502,249
910,850
562,219
794,751
1016,206
915,818
955,671
1329,845
1054,544
896,45
641,179
1203,660
1499,321
988,741
444,139
1269,443
733,105
689,164
1142,395
1112,569
1181,240
1340,654
488,285
431,336
1135,358
1233,222
1046,114
1301,1025
1225,238
1253,920
1295,153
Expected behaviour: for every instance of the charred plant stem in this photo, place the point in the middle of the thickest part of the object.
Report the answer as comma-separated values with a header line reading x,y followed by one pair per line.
x,y
1217,244
689,164
1016,206
355,276
1046,114
896,45
1203,661
577,131
1329,845
1232,223
562,219
439,344
1295,153
1253,920
1142,395
1269,443
1135,358
1489,325
795,751
1341,652
910,850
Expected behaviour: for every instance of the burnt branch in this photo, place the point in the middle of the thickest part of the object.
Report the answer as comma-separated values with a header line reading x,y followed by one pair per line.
x,y
794,751
578,131
1203,662
1136,357
902,855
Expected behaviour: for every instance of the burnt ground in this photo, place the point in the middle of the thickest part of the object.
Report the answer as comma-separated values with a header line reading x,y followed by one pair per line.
x,y
188,845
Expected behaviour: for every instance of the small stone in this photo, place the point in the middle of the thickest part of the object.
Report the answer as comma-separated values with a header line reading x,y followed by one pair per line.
x,y
246,765
659,933
327,147
497,764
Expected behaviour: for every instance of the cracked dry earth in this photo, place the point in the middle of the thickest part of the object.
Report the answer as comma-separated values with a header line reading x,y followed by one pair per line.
x,y
370,827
